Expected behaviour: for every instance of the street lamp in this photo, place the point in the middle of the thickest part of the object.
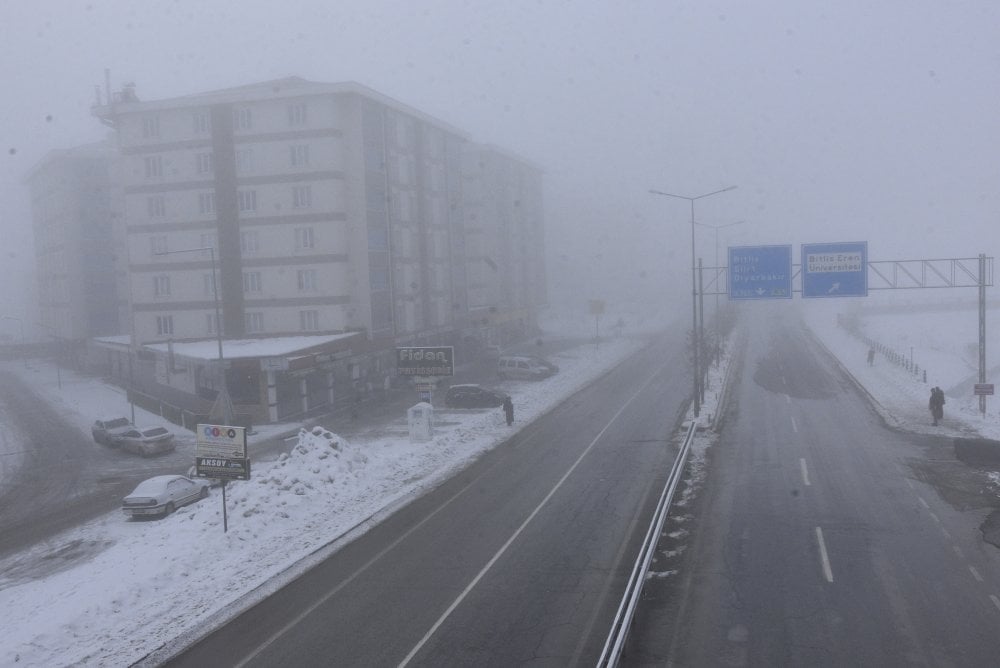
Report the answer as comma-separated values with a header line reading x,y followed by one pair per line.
x,y
226,404
718,329
694,292
24,342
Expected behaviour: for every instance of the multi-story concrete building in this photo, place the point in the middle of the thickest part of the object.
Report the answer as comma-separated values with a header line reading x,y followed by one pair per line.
x,y
73,219
328,209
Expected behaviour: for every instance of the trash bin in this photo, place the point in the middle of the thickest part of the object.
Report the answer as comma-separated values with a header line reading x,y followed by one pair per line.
x,y
420,418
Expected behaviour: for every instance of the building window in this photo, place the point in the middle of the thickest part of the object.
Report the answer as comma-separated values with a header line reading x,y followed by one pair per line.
x,y
161,286
299,154
242,119
247,200
154,166
164,325
251,281
202,123
158,244
297,114
208,283
206,203
307,280
249,242
302,197
204,162
309,321
305,238
254,322
155,206
211,323
151,127
244,160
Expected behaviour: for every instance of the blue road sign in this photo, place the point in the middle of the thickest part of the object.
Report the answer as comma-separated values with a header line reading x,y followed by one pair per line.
x,y
835,270
760,272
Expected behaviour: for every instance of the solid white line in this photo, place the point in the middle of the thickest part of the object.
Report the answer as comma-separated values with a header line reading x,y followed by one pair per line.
x,y
805,472
795,427
827,571
975,573
996,601
496,557
923,503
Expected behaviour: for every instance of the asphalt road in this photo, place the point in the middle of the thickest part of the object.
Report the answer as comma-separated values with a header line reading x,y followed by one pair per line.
x,y
520,559
815,540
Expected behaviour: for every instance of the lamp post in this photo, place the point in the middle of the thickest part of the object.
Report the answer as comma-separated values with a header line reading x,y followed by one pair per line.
x,y
226,405
24,342
694,292
718,329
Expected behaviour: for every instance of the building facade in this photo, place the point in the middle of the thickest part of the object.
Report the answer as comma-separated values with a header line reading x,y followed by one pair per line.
x,y
292,208
73,207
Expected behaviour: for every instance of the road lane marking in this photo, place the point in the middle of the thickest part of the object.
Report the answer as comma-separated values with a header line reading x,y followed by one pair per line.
x,y
946,534
975,573
935,518
827,571
923,503
805,472
996,601
795,427
788,399
958,551
510,541
909,482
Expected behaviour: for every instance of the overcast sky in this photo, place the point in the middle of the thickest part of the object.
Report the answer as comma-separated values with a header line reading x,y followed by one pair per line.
x,y
838,121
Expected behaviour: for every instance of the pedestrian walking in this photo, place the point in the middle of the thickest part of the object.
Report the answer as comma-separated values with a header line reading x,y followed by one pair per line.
x,y
936,404
508,410
871,357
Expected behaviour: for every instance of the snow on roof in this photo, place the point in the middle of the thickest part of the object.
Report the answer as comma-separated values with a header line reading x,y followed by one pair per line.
x,y
280,346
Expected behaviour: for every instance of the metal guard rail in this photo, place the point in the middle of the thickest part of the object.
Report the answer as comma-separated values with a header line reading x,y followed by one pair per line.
x,y
615,644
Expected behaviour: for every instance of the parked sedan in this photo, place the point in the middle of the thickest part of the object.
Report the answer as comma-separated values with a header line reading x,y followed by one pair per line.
x,y
146,441
473,396
163,494
105,431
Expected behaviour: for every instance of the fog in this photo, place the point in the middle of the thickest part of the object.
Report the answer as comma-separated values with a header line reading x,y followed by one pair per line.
x,y
838,121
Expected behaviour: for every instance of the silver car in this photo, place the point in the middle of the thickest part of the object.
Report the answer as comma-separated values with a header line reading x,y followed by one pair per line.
x,y
106,430
146,441
163,494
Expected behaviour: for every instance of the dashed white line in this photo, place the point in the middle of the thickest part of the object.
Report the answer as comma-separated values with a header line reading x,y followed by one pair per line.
x,y
935,518
827,571
795,427
996,601
975,573
923,503
958,551
909,482
946,534
788,399
805,472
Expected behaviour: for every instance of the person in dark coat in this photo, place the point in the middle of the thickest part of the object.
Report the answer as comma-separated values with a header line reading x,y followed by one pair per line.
x,y
508,410
936,404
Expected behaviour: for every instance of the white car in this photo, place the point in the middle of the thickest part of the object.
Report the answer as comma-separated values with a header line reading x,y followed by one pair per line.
x,y
147,441
163,494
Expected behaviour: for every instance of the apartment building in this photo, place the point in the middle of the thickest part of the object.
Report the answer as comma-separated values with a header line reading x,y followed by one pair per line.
x,y
305,209
74,213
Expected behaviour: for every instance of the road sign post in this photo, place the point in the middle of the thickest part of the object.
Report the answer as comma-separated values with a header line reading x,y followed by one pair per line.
x,y
835,269
760,272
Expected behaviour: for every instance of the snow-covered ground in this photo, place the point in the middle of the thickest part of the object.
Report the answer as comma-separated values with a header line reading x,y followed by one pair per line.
x,y
944,343
111,609
148,582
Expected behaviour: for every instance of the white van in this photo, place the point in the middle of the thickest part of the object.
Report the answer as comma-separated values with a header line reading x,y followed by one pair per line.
x,y
524,367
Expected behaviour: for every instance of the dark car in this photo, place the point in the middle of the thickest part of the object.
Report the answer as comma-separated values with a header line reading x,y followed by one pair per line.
x,y
473,396
107,430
